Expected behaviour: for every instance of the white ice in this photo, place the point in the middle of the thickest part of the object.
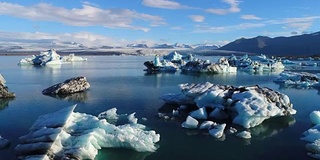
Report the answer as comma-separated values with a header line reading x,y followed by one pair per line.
x,y
67,133
246,106
49,57
315,117
298,79
190,123
207,125
312,136
73,58
201,113
217,130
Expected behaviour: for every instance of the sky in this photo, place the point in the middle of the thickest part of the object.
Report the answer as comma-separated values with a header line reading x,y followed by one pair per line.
x,y
121,22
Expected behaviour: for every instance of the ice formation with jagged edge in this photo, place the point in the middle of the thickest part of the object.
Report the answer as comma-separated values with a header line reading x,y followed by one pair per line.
x,y
68,134
49,57
247,106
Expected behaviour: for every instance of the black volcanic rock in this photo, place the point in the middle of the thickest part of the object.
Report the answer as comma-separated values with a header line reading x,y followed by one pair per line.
x,y
300,45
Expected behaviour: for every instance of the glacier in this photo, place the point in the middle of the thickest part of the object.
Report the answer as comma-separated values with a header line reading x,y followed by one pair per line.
x,y
66,134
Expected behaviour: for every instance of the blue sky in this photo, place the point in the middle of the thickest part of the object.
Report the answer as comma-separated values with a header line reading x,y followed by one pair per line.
x,y
120,22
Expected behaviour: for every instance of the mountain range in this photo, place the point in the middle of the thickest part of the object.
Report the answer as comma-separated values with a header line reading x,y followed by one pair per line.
x,y
300,45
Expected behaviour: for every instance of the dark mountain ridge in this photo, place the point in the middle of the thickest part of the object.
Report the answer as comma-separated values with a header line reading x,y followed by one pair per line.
x,y
300,45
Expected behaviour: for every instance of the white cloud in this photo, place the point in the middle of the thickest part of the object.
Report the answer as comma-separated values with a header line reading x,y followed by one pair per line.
x,y
300,24
224,29
197,18
86,38
232,9
88,15
250,17
165,4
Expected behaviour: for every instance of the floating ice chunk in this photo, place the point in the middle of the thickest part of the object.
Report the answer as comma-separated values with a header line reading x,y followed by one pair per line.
x,y
65,134
3,142
298,79
312,134
217,130
247,106
207,124
175,113
48,57
314,149
72,58
132,119
315,117
190,123
110,114
201,113
244,134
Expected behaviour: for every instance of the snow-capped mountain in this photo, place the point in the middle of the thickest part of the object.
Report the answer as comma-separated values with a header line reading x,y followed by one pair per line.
x,y
163,46
205,47
136,45
181,45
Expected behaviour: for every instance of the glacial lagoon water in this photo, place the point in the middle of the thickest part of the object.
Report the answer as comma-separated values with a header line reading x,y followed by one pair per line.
x,y
119,81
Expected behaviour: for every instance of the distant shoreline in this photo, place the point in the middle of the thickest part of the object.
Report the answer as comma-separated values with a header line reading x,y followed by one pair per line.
x,y
131,52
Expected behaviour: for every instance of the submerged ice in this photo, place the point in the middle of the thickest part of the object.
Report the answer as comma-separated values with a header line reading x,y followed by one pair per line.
x,y
71,135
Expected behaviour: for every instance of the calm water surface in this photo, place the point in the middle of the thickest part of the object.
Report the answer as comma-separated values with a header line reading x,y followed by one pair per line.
x,y
120,82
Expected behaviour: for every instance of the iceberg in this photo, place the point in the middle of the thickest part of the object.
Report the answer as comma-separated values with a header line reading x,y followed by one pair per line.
x,y
4,92
247,106
157,65
217,130
298,79
190,123
312,136
66,134
256,63
173,56
205,66
49,57
73,58
315,117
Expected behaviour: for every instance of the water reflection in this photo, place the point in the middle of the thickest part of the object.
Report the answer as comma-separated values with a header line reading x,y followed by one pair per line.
x,y
121,154
81,97
272,126
159,77
49,69
4,102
